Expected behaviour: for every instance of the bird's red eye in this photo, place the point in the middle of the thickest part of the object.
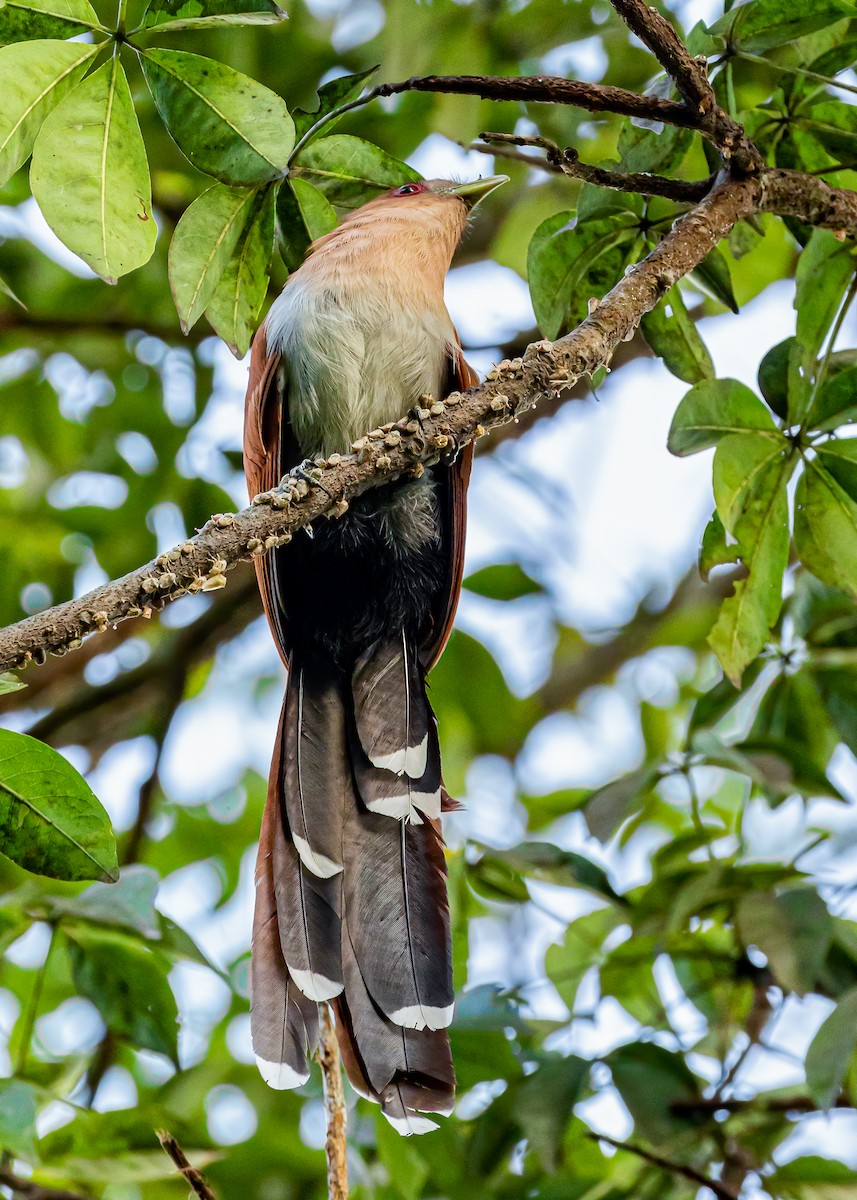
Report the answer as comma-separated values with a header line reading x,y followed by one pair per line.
x,y
408,189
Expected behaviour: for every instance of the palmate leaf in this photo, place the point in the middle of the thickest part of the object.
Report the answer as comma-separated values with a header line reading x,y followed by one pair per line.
x,y
826,523
762,24
18,1119
127,983
90,175
303,214
235,303
714,409
751,471
830,1051
37,76
568,263
173,16
31,20
227,124
202,245
349,170
51,822
824,270
332,95
672,336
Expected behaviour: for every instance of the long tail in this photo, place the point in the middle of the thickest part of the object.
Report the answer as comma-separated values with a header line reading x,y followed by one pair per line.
x,y
351,902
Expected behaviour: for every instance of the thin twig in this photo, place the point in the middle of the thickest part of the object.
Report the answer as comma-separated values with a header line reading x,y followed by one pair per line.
x,y
665,1164
334,1106
507,152
194,1178
568,163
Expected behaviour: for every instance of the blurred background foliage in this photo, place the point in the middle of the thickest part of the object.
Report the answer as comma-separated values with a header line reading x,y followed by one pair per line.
x,y
652,877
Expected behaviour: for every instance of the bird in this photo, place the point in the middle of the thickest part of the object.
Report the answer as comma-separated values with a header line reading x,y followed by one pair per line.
x,y
351,905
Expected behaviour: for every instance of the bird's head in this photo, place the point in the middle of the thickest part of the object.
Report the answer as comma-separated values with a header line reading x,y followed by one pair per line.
x,y
469,193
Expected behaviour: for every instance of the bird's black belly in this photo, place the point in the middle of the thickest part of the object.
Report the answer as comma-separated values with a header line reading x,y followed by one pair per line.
x,y
375,570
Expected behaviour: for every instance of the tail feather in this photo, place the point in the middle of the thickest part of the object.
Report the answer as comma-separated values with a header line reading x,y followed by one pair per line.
x,y
398,917
390,707
400,796
309,912
283,1023
317,774
409,1072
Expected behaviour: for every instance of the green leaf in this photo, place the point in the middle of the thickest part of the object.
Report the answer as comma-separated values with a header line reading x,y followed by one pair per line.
x,y
499,872
303,214
128,903
544,1103
127,983
227,124
90,175
653,1081
751,472
502,581
350,171
51,822
202,245
836,402
793,930
234,307
838,457
714,409
714,550
174,15
672,336
29,20
38,74
18,1119
826,528
10,683
581,949
774,377
713,277
643,149
824,271
569,263
763,24
812,1178
831,1050
608,807
331,96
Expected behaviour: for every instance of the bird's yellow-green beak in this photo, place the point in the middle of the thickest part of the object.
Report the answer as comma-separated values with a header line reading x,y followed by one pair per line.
x,y
477,189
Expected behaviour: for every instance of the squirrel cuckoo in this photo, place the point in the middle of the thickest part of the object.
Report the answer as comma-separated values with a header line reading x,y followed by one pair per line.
x,y
351,903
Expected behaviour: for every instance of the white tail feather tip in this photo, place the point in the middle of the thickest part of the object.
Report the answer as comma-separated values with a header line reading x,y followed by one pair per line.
x,y
279,1076
421,1016
314,986
411,1124
317,864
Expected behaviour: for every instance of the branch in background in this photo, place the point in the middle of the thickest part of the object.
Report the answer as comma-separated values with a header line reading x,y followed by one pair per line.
x,y
547,89
334,1106
28,1189
666,1164
406,446
567,163
194,1178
